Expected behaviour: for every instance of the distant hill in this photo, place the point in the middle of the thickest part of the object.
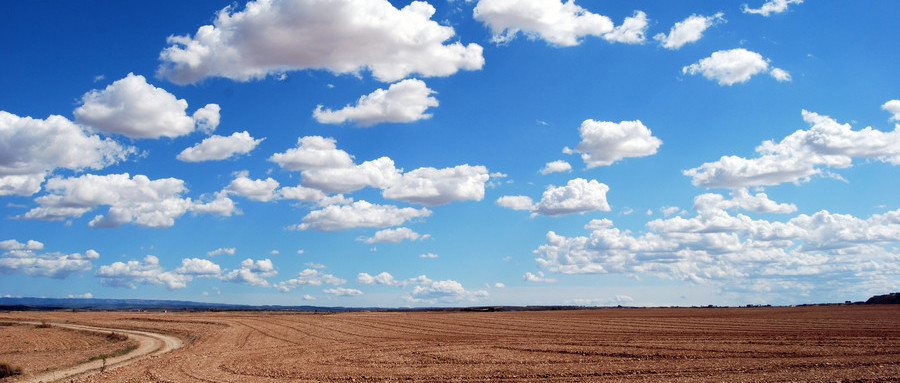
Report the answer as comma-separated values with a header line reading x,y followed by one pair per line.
x,y
43,304
892,298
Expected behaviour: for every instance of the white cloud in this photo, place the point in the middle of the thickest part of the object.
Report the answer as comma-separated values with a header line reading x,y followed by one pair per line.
x,y
342,292
309,277
257,190
823,250
741,199
405,101
81,296
359,214
383,278
577,196
313,152
153,203
394,236
221,205
734,66
326,168
800,155
893,106
378,173
516,202
17,257
147,271
537,278
556,167
221,251
252,272
780,74
688,30
631,31
346,36
220,147
34,148
605,142
558,23
198,267
428,255
448,291
771,6
136,109
430,186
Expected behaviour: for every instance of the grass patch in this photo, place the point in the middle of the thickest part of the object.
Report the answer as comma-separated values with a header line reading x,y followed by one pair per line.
x,y
119,352
116,337
44,324
7,370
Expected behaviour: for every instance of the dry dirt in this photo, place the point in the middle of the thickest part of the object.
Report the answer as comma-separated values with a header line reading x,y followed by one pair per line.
x,y
38,348
813,343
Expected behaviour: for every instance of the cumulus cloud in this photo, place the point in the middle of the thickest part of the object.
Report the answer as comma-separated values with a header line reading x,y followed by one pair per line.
x,y
359,214
394,236
252,273
801,155
383,278
216,148
743,200
313,152
734,66
771,6
723,249
136,109
149,272
893,106
430,187
346,36
537,278
33,148
221,251
558,23
688,30
342,292
257,190
309,277
605,142
516,202
139,200
448,291
24,258
556,167
198,267
577,196
631,31
405,101
325,167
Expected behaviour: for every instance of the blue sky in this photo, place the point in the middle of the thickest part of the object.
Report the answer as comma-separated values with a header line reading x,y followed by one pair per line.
x,y
450,153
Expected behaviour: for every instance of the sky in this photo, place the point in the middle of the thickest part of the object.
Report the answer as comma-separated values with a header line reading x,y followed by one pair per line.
x,y
368,153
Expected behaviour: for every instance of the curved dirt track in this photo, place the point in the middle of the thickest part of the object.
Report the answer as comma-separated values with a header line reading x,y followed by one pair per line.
x,y
149,344
800,344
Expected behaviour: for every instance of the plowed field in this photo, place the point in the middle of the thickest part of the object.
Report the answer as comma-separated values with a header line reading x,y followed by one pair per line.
x,y
814,343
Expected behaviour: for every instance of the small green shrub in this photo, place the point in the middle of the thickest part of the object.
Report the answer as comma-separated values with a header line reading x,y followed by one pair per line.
x,y
116,337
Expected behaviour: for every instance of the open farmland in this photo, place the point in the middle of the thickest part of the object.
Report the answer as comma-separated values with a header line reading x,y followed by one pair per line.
x,y
813,343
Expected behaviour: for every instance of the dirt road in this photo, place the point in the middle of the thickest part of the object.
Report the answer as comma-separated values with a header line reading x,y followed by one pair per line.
x,y
149,344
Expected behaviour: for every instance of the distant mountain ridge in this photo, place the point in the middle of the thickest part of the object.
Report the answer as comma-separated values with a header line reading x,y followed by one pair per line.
x,y
138,304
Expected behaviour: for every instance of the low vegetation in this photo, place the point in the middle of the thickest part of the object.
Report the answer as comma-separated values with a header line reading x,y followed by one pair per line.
x,y
7,370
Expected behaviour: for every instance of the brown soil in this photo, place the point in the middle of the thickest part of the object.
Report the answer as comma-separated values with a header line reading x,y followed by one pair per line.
x,y
37,348
814,343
